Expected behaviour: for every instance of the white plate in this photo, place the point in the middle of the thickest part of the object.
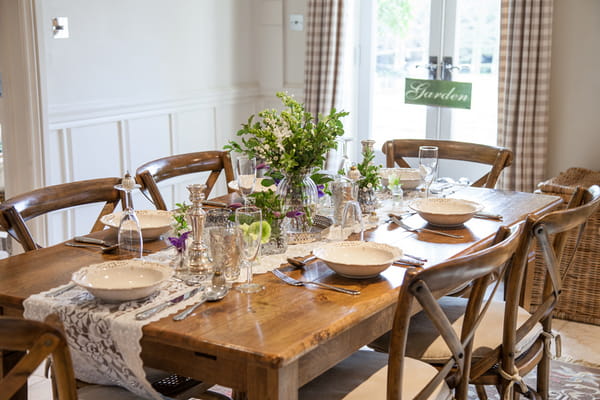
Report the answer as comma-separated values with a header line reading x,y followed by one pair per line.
x,y
357,259
154,223
124,280
446,212
258,187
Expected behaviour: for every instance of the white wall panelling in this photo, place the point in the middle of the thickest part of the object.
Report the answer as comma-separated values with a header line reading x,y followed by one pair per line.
x,y
86,143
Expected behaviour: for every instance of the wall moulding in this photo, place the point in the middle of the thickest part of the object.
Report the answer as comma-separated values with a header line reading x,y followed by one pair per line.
x,y
91,113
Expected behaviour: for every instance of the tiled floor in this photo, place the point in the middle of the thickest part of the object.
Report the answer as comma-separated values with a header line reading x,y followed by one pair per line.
x,y
579,343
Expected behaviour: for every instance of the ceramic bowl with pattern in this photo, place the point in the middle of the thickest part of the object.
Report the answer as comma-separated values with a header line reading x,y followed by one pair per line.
x,y
154,223
357,259
446,212
122,280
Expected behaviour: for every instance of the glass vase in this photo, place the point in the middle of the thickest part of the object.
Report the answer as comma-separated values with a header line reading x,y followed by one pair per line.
x,y
300,199
278,241
367,200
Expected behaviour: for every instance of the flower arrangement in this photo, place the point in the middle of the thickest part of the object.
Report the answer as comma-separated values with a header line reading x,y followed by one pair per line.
x,y
369,172
290,141
181,228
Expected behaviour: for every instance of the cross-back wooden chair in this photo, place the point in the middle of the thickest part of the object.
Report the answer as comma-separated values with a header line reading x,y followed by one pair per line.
x,y
526,338
15,211
497,158
511,341
152,172
404,377
38,341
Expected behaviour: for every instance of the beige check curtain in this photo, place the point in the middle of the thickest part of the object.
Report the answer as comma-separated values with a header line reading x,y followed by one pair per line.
x,y
524,82
323,55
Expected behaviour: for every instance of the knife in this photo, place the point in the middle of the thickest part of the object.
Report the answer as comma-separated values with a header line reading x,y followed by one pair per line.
x,y
158,308
483,214
91,240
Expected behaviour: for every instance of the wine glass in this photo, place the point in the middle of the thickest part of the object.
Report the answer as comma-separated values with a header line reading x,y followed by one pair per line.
x,y
246,176
129,235
249,219
428,162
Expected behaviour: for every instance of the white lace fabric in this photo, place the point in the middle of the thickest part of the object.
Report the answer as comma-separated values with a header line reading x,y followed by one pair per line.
x,y
104,338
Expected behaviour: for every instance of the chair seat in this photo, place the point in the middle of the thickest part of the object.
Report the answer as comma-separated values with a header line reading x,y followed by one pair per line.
x,y
363,375
101,392
424,342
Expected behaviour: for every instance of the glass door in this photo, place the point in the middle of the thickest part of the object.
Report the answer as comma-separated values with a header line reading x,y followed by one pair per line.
x,y
425,39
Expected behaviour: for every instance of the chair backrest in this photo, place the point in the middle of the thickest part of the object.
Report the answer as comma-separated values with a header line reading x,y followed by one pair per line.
x,y
15,211
559,224
152,172
427,285
38,340
497,157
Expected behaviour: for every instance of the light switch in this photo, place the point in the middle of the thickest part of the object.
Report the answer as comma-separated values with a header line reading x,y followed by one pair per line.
x,y
60,27
296,22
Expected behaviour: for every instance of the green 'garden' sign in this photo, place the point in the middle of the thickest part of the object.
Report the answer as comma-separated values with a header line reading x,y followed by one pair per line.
x,y
438,93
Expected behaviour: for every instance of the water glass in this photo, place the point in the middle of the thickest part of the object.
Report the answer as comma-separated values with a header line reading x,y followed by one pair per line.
x,y
250,222
351,216
246,176
428,163
224,245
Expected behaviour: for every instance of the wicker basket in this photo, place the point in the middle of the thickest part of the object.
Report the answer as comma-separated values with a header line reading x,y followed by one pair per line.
x,y
580,297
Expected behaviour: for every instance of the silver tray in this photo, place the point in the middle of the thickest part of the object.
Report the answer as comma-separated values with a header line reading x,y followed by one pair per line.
x,y
317,232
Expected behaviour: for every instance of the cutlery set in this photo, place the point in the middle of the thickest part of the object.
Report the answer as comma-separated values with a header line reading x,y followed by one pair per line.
x,y
104,246
294,282
418,230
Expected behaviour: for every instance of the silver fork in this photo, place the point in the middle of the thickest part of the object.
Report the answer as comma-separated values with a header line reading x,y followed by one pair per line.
x,y
294,282
417,230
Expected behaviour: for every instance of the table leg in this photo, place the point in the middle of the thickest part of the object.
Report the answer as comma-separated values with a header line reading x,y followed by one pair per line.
x,y
273,383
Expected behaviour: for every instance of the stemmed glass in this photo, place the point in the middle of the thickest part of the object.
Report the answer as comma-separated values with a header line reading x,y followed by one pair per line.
x,y
428,162
249,219
246,176
352,214
129,235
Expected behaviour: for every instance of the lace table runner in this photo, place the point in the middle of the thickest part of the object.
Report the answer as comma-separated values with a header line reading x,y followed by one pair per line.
x,y
104,338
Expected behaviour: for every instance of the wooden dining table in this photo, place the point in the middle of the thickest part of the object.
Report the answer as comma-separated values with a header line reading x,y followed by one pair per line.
x,y
270,343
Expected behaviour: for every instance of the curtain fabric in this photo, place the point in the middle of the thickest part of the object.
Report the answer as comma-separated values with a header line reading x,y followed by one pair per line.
x,y
524,82
323,55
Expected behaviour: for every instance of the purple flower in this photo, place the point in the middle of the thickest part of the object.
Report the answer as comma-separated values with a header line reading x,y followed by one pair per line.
x,y
234,206
276,214
320,190
179,242
294,213
262,166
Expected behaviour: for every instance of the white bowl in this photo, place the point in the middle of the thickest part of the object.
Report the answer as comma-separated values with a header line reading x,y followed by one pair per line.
x,y
124,280
410,178
446,212
358,259
258,187
154,223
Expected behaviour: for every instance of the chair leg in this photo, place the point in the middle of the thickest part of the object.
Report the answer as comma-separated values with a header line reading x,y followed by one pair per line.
x,y
481,393
543,377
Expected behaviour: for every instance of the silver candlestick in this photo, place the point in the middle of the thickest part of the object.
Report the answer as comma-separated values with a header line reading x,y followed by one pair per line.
x,y
200,266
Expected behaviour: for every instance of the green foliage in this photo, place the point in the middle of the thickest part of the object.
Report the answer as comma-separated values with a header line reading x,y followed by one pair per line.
x,y
180,224
394,16
290,141
270,204
369,172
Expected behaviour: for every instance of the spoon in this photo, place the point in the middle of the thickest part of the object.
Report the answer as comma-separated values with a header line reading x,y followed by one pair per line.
x,y
218,288
300,263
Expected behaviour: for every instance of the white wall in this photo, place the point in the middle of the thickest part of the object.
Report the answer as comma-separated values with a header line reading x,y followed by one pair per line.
x,y
142,79
574,106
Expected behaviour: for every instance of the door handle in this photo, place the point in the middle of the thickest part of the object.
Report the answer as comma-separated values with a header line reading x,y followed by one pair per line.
x,y
447,68
432,67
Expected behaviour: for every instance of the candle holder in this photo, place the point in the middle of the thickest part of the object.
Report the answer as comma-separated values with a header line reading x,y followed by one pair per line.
x,y
199,264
